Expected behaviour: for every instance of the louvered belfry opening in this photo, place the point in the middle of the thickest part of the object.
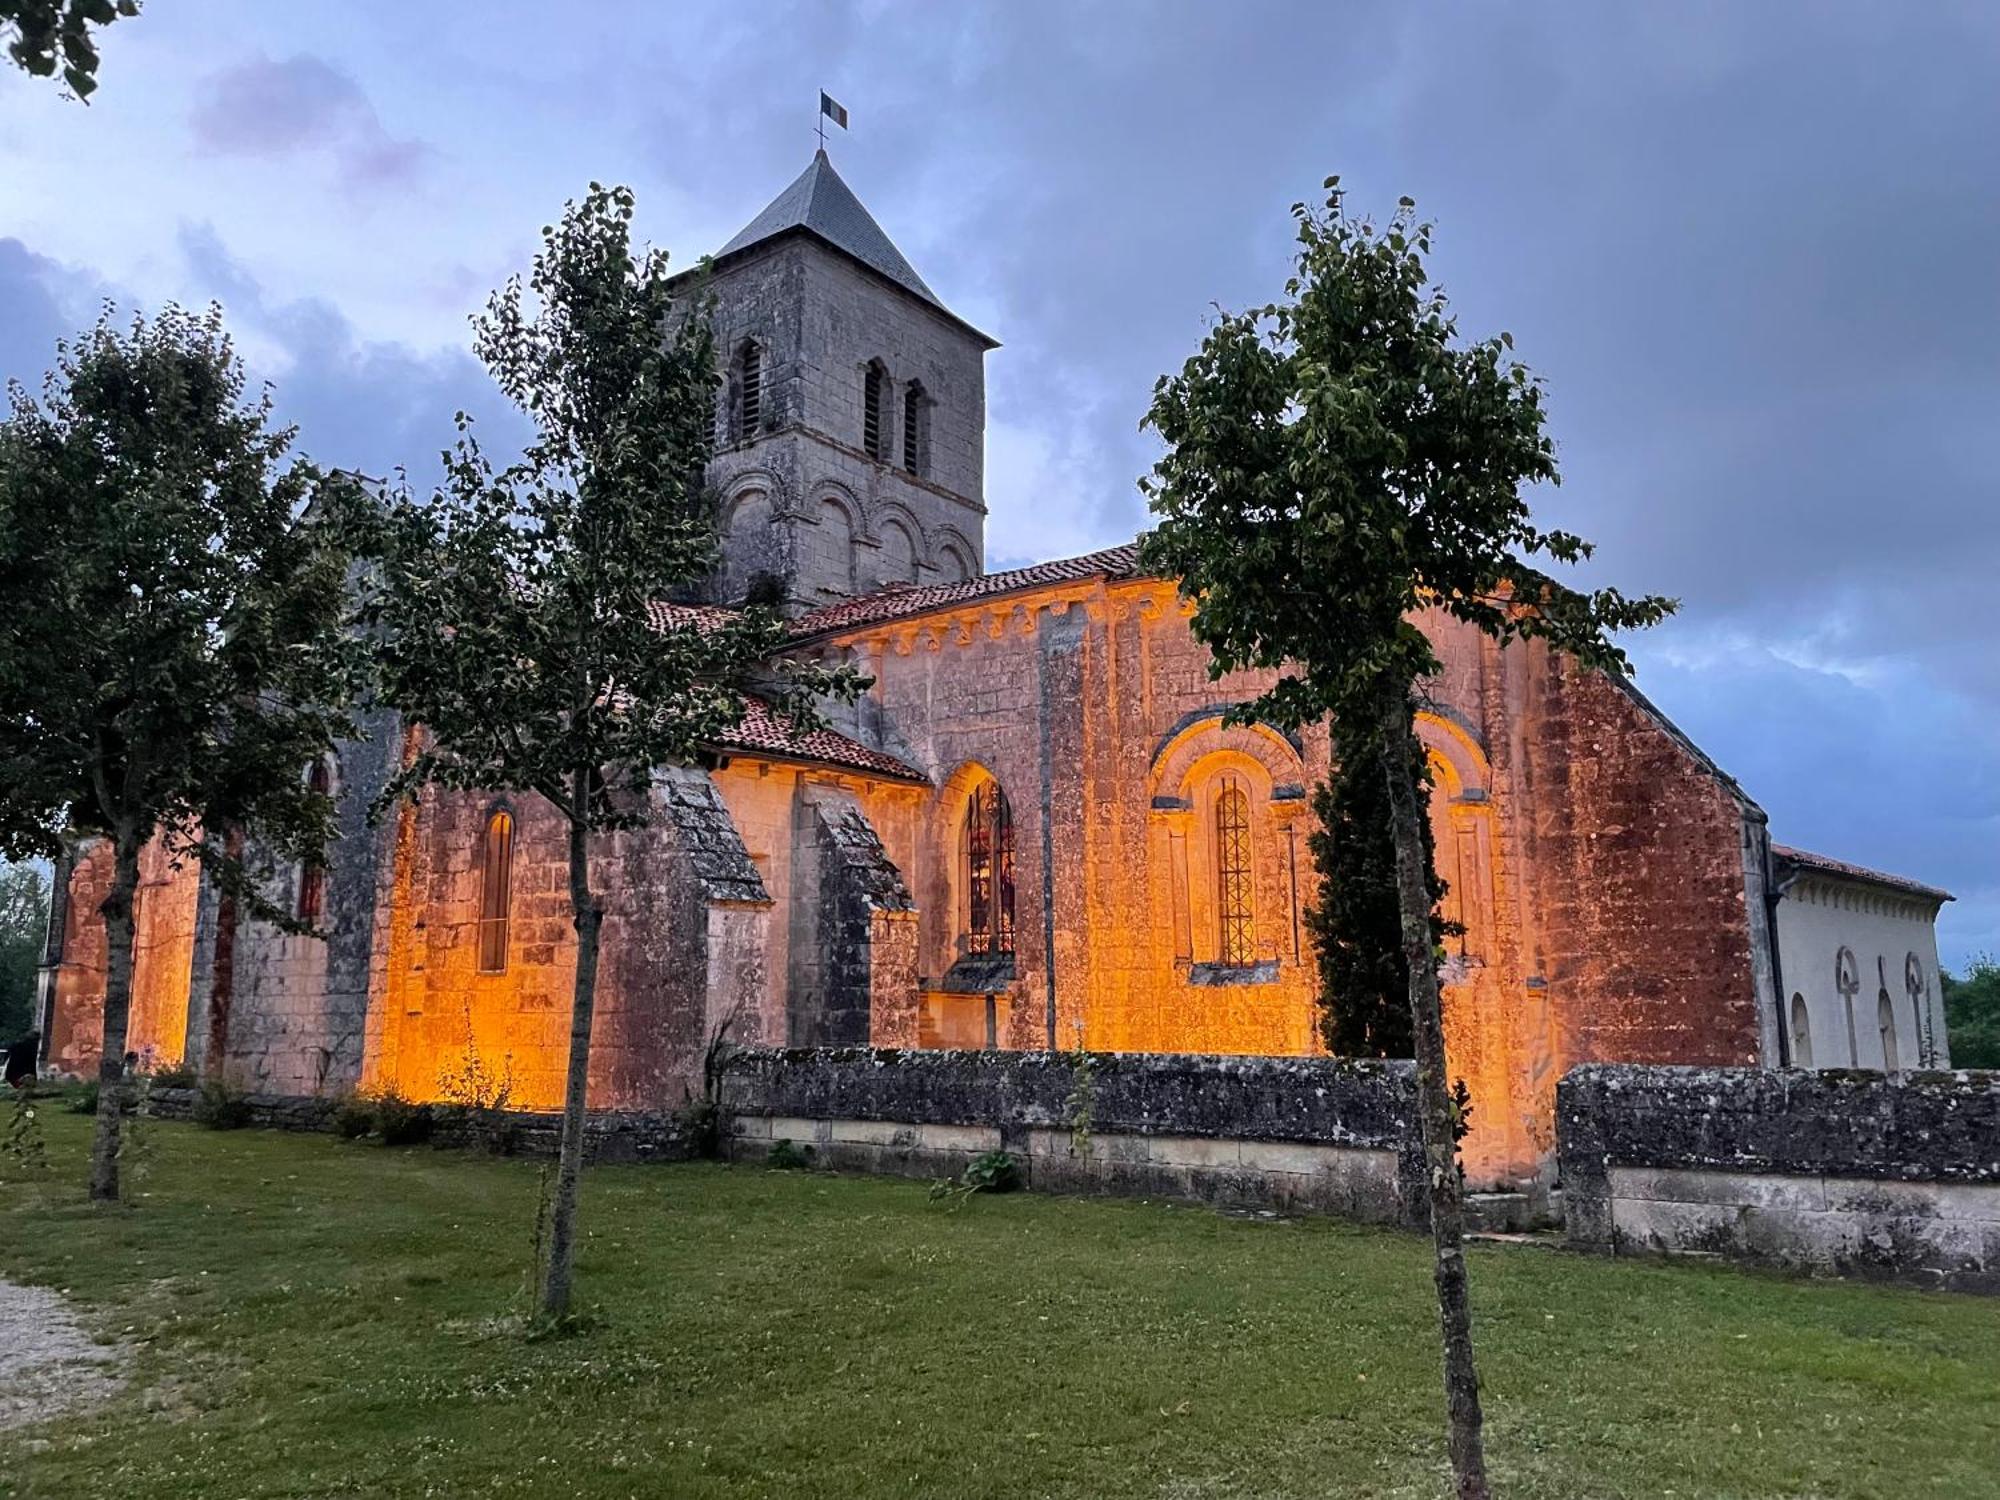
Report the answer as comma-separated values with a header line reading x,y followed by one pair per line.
x,y
496,875
750,412
914,429
1236,937
989,872
874,437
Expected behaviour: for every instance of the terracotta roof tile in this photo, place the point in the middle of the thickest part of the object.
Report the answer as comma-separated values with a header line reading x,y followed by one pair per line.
x,y
1824,865
764,730
914,599
665,616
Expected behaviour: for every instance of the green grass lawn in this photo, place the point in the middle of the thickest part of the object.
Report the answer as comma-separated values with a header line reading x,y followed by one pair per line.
x,y
308,1317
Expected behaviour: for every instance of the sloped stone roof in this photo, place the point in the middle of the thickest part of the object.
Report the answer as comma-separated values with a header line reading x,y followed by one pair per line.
x,y
915,599
821,204
1821,864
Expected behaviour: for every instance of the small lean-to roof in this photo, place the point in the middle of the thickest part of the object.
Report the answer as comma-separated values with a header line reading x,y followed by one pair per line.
x,y
821,204
1820,864
764,731
904,600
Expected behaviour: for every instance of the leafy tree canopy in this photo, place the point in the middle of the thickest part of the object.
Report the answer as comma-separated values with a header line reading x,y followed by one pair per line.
x,y
1355,920
24,921
521,609
1972,1014
173,659
42,33
522,613
1337,461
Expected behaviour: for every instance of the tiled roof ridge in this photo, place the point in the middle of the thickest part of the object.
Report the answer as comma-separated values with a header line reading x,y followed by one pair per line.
x,y
899,601
1826,864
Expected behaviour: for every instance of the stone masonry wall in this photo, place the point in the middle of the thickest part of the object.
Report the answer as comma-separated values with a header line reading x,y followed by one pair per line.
x,y
1597,859
800,497
1313,1134
1851,1172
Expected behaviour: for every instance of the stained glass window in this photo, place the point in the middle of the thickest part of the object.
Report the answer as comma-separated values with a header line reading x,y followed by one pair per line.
x,y
989,872
496,875
1236,943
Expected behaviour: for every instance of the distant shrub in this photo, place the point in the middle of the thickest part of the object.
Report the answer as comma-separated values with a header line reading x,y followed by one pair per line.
x,y
175,1076
476,1097
221,1106
991,1172
353,1117
82,1099
702,1120
789,1158
401,1122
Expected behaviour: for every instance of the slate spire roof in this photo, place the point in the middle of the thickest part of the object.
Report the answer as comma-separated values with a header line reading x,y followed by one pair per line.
x,y
821,204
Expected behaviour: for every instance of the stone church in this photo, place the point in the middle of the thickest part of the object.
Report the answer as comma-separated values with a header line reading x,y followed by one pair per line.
x,y
1032,831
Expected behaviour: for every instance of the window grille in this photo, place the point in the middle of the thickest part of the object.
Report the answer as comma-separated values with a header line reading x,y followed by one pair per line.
x,y
989,872
1236,939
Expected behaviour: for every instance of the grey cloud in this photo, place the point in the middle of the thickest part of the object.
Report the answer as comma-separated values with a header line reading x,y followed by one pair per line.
x,y
372,406
1750,249
267,107
41,302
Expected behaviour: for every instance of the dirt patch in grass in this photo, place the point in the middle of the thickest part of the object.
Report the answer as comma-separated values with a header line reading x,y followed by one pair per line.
x,y
48,1364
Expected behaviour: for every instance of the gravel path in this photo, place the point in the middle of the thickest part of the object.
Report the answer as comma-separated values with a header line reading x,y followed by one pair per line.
x,y
47,1362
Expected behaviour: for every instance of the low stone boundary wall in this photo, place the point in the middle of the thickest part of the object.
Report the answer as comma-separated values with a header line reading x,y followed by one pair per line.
x,y
608,1136
1307,1134
1854,1173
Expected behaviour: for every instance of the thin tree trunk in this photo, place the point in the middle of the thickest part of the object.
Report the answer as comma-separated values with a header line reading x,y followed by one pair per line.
x,y
559,1273
1436,1106
117,910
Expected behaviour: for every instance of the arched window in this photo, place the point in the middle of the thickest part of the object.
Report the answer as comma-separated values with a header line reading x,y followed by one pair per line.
x,y
496,877
989,871
916,430
874,413
312,873
1801,1034
1885,1022
749,390
1236,942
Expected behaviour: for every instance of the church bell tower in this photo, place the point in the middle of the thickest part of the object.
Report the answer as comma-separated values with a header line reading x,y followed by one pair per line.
x,y
850,443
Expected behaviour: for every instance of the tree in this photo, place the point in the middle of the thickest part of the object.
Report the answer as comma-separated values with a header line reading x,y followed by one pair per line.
x,y
1337,462
519,612
24,924
1972,1014
41,31
1355,920
173,659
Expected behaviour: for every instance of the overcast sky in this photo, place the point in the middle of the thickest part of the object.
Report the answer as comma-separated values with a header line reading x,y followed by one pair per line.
x,y
1754,249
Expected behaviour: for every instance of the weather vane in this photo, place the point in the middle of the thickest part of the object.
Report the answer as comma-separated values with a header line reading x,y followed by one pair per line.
x,y
829,109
